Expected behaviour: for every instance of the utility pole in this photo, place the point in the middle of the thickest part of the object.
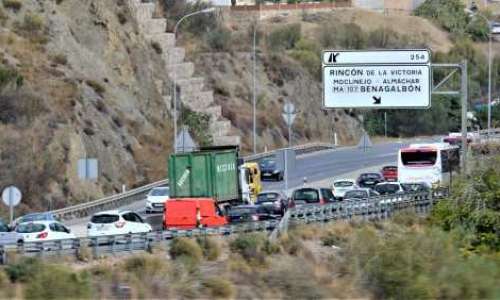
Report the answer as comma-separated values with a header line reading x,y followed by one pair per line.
x,y
254,96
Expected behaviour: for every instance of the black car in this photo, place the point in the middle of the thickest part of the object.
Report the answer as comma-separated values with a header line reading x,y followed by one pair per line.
x,y
272,202
269,169
369,180
248,213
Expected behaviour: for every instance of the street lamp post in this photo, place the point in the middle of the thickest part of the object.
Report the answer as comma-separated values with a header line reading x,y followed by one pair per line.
x,y
174,79
254,90
473,12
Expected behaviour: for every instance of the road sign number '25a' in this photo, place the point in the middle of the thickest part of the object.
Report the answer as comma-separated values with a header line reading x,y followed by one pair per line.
x,y
377,79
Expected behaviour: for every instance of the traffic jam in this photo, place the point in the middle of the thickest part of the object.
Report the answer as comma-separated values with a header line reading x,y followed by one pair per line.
x,y
214,187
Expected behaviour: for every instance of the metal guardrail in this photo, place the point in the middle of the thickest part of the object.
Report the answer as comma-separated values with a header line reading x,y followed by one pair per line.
x,y
115,201
110,202
373,208
299,150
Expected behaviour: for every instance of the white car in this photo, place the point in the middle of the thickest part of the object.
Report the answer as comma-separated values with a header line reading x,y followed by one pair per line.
x,y
155,201
42,231
115,222
341,186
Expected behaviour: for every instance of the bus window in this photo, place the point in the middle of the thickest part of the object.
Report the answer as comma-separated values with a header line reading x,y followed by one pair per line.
x,y
419,158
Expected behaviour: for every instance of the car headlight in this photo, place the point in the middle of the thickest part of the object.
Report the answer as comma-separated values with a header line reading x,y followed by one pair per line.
x,y
276,171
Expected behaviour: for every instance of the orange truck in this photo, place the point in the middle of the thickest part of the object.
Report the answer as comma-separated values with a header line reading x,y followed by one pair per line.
x,y
190,213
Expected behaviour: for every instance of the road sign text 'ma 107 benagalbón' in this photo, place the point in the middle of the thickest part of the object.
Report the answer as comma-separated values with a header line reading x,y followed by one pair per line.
x,y
377,79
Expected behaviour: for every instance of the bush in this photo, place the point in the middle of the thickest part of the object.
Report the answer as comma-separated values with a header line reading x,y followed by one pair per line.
x,y
218,287
198,124
58,282
285,37
24,270
186,248
145,266
3,17
253,247
14,5
306,53
449,14
219,40
211,249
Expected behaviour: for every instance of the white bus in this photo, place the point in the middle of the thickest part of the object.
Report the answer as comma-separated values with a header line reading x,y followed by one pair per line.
x,y
432,164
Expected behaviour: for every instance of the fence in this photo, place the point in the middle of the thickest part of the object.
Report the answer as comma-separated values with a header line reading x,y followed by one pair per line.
x,y
374,208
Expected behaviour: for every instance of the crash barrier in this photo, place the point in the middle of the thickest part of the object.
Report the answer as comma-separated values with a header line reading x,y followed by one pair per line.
x,y
112,202
380,207
299,150
88,208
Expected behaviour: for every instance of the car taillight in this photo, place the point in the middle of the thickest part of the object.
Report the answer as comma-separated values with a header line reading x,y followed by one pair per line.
x,y
291,204
120,224
255,218
42,235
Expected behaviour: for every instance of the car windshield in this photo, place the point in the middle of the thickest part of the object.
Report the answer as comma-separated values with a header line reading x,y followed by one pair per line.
x,y
104,219
387,188
356,194
307,195
238,211
35,217
3,227
343,184
267,197
268,163
159,192
30,228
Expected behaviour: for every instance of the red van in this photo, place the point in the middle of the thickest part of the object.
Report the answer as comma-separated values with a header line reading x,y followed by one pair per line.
x,y
190,213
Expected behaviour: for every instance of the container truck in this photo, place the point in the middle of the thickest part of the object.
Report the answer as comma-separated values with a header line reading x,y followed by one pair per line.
x,y
216,173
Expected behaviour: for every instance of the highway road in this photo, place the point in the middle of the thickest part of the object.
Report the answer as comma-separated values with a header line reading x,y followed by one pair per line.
x,y
314,166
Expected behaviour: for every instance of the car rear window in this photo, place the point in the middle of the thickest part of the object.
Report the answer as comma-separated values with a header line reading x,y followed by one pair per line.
x,y
371,176
387,188
237,211
30,228
267,197
327,195
390,168
36,217
104,219
356,194
343,184
307,195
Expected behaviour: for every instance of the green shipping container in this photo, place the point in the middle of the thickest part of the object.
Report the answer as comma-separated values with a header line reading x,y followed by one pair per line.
x,y
211,173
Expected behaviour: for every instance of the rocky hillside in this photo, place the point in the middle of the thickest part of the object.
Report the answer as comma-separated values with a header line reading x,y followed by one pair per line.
x,y
82,82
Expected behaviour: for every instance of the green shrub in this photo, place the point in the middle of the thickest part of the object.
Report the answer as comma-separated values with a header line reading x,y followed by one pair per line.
x,y
14,5
24,270
211,249
186,249
33,23
254,247
3,17
58,282
343,35
219,40
218,288
285,37
198,124
449,14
